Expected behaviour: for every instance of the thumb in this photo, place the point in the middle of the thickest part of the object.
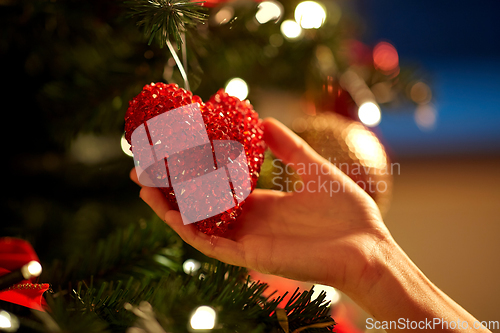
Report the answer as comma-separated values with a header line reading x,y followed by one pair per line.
x,y
293,150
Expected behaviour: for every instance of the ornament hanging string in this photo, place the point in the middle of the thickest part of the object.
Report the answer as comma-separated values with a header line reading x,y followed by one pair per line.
x,y
184,54
178,61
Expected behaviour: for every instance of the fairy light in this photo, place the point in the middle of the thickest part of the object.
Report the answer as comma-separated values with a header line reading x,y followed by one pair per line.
x,y
33,269
369,114
8,322
291,29
269,11
190,266
30,270
310,14
203,318
332,295
237,87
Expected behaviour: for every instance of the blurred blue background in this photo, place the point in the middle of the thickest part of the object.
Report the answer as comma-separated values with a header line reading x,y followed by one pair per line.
x,y
457,44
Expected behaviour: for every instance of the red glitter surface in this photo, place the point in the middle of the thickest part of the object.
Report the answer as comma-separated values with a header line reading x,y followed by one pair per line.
x,y
225,118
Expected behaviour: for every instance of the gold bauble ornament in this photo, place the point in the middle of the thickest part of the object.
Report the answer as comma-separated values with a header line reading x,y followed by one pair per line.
x,y
348,145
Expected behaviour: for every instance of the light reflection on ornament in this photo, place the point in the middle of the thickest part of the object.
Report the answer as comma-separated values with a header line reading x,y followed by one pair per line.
x,y
369,114
366,146
310,14
291,29
125,146
237,87
385,57
269,11
425,116
332,295
299,125
203,318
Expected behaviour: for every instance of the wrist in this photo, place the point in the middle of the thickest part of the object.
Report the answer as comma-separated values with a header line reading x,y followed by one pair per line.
x,y
393,287
381,264
389,281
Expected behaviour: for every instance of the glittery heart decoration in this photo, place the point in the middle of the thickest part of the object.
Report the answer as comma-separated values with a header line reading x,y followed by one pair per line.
x,y
226,120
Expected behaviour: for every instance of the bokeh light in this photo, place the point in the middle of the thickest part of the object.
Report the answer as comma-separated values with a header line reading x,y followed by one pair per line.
x,y
125,146
191,266
310,14
93,149
332,295
425,116
269,11
8,322
334,13
34,268
237,87
291,29
420,93
385,57
276,40
383,92
203,318
326,60
369,114
224,15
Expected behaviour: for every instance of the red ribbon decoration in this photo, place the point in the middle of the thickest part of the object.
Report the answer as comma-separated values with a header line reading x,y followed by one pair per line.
x,y
15,253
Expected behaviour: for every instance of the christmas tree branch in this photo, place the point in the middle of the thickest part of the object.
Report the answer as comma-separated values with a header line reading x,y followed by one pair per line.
x,y
165,19
238,302
145,250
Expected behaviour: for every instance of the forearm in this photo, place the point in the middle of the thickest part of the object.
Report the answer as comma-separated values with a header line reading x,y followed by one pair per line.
x,y
400,293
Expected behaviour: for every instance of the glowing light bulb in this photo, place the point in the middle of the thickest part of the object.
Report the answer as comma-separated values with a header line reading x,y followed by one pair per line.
x,y
238,88
369,114
31,269
332,294
310,15
8,322
291,29
125,146
190,266
34,268
268,11
203,318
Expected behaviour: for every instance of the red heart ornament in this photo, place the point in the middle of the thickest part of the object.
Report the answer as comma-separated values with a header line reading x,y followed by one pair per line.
x,y
225,118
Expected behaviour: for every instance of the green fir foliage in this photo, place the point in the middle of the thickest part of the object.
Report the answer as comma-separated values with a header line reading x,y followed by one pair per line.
x,y
165,19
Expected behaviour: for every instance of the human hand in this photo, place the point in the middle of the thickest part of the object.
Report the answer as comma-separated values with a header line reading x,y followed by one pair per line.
x,y
336,238
315,235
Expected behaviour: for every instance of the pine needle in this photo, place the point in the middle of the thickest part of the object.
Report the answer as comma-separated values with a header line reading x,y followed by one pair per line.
x,y
166,19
